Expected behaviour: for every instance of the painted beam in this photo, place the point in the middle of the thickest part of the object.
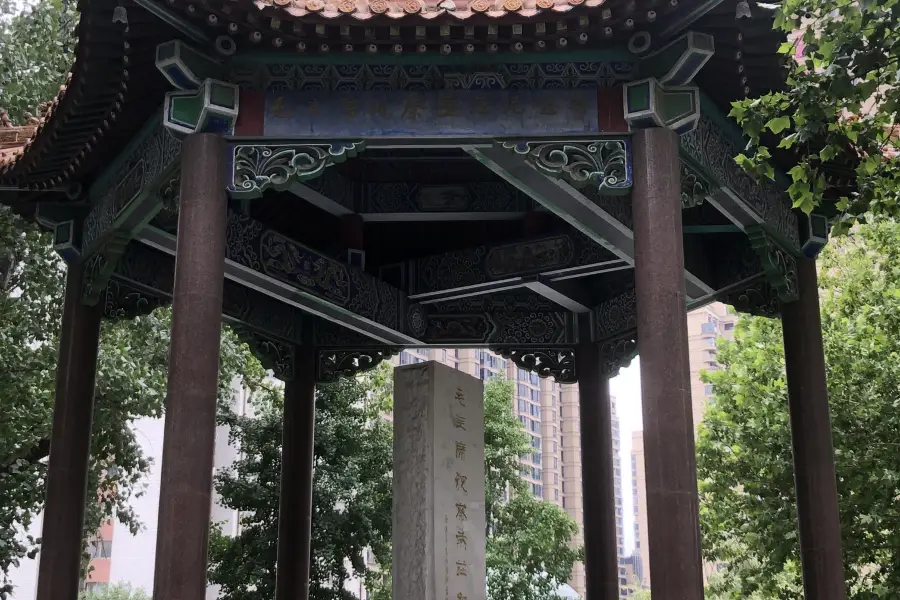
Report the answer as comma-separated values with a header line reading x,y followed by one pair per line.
x,y
711,149
144,277
591,217
414,202
272,264
538,262
124,198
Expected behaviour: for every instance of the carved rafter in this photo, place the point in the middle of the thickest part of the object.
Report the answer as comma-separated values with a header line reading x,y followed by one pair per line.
x,y
275,355
257,168
779,266
601,164
334,364
558,363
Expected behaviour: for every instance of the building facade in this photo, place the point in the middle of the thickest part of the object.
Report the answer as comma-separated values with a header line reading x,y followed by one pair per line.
x,y
706,326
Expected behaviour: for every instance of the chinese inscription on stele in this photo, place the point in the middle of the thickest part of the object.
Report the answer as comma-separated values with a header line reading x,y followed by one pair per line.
x,y
454,420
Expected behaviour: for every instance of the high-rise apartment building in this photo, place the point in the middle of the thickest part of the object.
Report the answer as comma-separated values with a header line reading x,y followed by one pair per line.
x,y
705,327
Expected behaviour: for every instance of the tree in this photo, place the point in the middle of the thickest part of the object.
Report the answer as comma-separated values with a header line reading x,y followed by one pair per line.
x,y
131,383
351,491
837,114
36,50
744,454
118,591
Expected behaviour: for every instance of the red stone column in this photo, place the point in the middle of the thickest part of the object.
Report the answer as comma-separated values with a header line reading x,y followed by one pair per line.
x,y
672,506
601,561
190,431
295,503
59,570
814,474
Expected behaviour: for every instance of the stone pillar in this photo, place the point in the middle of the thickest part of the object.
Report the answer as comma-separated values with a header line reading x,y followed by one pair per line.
x,y
190,431
59,570
601,561
671,468
295,501
439,518
814,475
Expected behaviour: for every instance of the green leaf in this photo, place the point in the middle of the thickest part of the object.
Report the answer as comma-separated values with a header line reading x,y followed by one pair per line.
x,y
778,124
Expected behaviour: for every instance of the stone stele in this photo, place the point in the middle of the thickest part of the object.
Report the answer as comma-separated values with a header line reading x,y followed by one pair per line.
x,y
439,519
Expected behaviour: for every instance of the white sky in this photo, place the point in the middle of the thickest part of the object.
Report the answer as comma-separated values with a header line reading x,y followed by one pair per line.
x,y
626,389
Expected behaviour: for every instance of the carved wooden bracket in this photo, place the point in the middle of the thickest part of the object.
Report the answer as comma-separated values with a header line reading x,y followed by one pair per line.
x,y
558,363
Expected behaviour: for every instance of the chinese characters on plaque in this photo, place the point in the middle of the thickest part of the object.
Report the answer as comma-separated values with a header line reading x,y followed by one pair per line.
x,y
430,113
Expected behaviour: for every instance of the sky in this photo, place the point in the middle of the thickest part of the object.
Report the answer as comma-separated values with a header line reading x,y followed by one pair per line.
x,y
626,389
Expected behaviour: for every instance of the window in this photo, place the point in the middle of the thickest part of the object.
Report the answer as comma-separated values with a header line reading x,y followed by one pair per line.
x,y
556,494
535,410
534,379
708,389
535,425
536,395
710,341
444,355
729,326
522,406
537,490
456,354
708,328
564,502
562,441
101,549
535,473
562,456
523,391
555,462
523,419
564,472
522,375
536,442
556,478
405,358
555,447
552,400
554,427
536,458
563,486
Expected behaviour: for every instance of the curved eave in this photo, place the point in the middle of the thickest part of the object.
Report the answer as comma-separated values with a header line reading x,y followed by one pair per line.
x,y
101,104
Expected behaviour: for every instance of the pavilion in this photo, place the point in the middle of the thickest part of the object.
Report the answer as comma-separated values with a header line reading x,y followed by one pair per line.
x,y
340,179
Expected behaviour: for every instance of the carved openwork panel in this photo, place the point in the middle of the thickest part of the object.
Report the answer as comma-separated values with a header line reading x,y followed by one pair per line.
x,y
334,364
257,168
558,363
274,355
601,164
779,266
123,301
756,297
618,352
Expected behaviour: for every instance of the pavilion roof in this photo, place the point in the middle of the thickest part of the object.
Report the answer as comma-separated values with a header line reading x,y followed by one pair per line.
x,y
114,85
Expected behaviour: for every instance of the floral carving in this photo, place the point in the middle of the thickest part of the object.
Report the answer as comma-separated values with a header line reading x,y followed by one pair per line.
x,y
602,164
756,298
779,266
558,363
334,364
258,168
125,302
616,315
618,352
694,188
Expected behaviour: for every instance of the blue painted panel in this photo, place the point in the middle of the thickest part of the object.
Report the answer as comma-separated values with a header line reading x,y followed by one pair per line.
x,y
346,115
